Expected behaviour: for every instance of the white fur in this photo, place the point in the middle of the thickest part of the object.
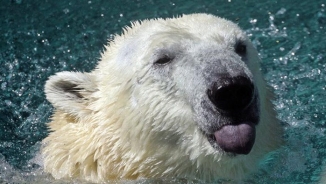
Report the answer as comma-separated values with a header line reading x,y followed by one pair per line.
x,y
128,125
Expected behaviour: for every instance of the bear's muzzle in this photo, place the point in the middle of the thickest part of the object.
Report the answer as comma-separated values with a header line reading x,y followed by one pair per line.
x,y
233,97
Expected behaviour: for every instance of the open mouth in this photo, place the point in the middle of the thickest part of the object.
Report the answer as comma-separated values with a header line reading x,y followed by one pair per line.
x,y
235,133
236,139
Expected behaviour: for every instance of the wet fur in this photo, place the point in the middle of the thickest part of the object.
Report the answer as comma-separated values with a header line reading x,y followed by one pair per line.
x,y
130,119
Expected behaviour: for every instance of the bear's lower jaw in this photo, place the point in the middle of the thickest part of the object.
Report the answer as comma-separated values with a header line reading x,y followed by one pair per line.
x,y
234,139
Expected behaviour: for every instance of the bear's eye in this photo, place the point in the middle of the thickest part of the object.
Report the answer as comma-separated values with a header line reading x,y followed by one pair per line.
x,y
241,48
163,60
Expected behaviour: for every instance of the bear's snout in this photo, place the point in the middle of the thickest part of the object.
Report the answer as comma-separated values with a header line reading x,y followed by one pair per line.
x,y
234,98
231,95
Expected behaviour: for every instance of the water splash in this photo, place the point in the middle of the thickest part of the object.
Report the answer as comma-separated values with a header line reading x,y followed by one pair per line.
x,y
43,38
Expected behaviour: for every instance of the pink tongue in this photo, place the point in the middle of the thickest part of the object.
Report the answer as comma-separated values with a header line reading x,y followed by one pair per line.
x,y
236,138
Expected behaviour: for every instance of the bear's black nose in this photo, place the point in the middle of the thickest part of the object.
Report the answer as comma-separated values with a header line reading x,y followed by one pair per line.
x,y
232,94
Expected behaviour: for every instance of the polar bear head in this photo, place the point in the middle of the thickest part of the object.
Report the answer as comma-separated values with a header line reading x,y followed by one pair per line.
x,y
179,97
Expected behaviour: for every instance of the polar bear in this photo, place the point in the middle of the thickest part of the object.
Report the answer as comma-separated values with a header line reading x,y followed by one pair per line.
x,y
170,98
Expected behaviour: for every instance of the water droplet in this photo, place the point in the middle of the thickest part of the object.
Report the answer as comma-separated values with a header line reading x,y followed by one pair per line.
x,y
18,1
8,102
4,85
281,11
66,10
253,21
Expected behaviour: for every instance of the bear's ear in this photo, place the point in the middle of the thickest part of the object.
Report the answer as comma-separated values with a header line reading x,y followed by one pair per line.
x,y
70,91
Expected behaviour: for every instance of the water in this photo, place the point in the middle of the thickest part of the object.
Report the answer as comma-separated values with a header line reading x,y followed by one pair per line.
x,y
40,38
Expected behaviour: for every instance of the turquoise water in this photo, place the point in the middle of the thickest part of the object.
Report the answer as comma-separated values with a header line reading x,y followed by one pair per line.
x,y
40,38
